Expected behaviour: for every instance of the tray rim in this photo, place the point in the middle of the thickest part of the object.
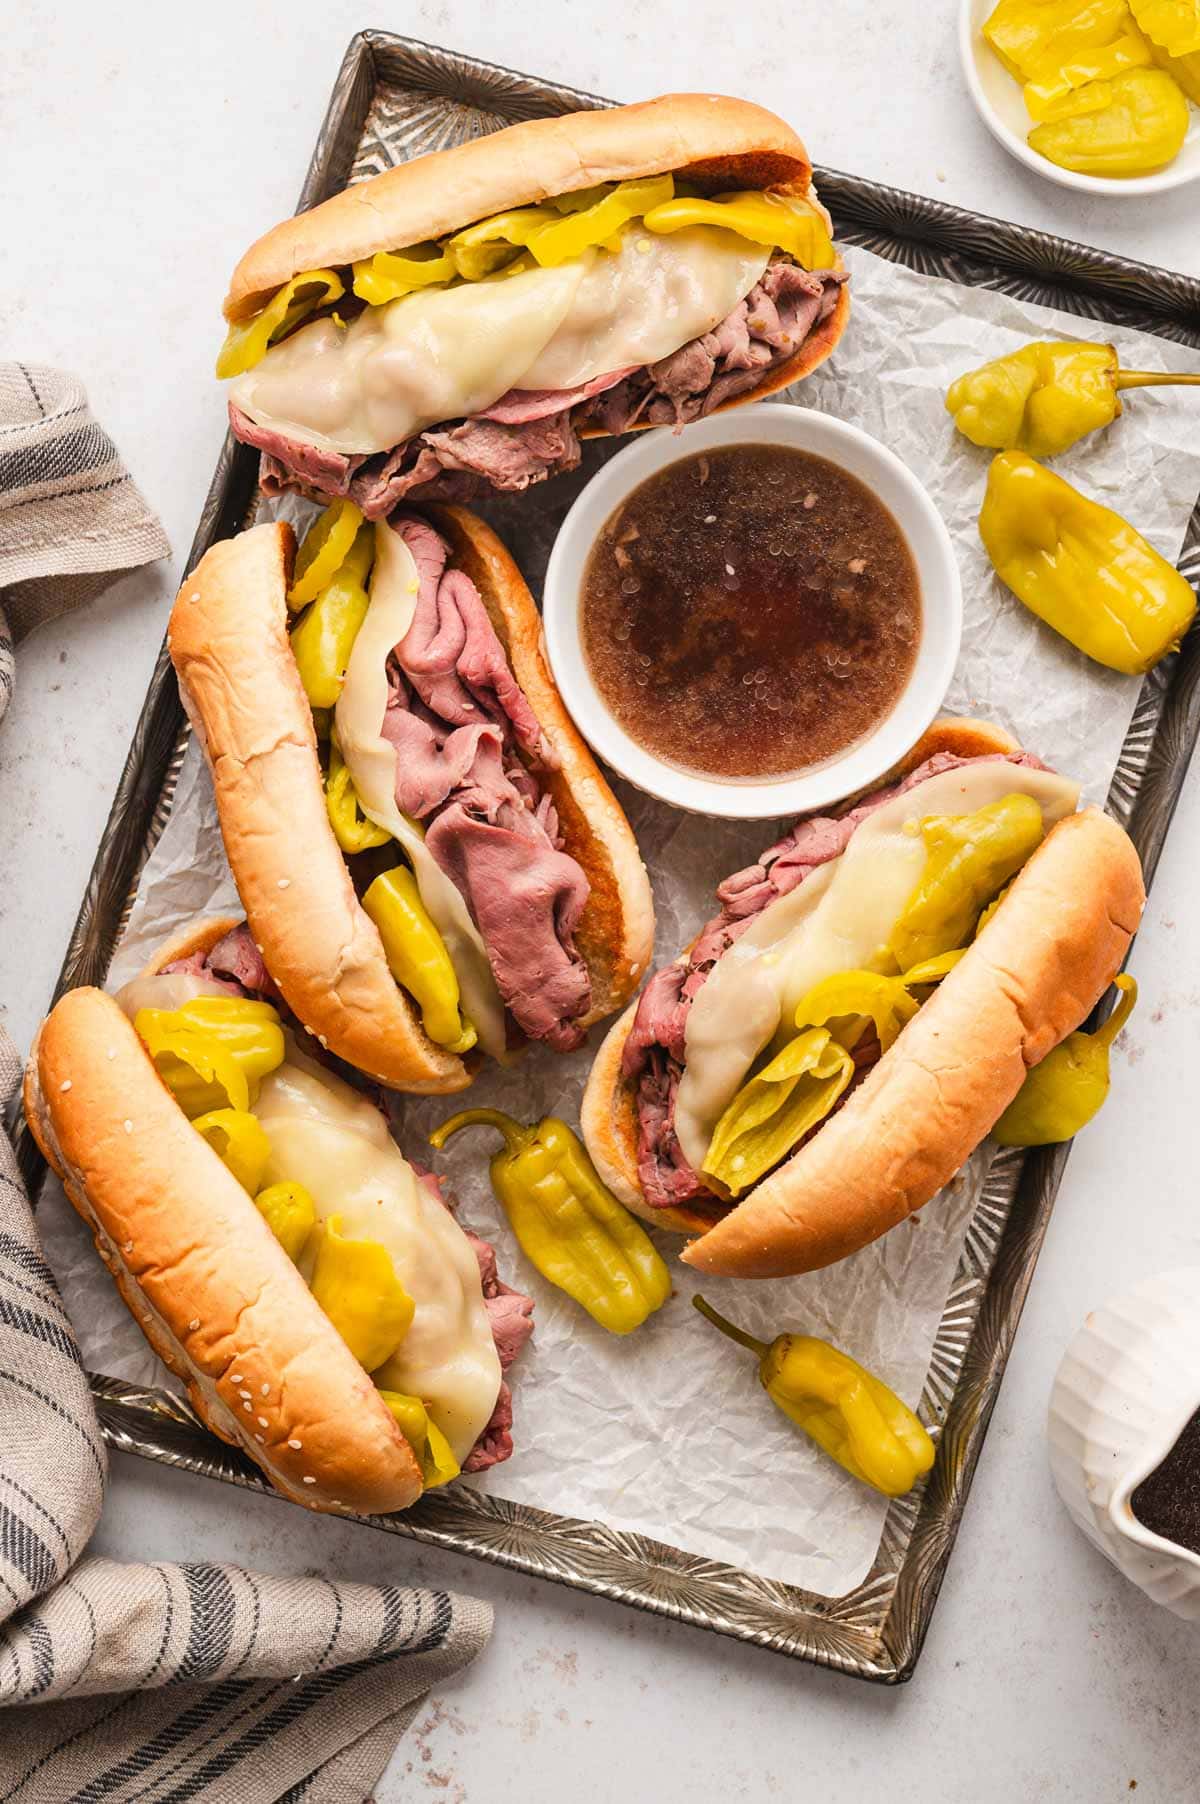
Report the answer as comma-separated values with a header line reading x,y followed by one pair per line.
x,y
1171,301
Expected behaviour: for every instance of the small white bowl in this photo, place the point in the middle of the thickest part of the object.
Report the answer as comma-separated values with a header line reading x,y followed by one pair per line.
x,y
767,423
1127,1386
1001,106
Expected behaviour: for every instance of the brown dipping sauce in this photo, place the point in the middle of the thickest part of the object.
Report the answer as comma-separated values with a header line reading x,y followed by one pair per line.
x,y
750,612
1168,1502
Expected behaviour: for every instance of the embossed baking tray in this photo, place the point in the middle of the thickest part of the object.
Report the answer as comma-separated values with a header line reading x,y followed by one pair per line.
x,y
393,99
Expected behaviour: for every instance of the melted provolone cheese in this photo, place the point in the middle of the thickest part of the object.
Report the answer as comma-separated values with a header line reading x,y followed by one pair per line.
x,y
431,356
447,353
656,295
326,1137
841,918
371,761
168,990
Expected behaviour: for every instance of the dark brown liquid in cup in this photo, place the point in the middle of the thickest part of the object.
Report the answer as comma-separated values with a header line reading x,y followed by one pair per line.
x,y
1168,1501
750,612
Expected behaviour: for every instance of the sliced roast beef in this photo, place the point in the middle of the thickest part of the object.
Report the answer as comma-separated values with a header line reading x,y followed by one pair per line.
x,y
451,654
764,330
237,958
234,961
196,965
495,1444
530,434
457,716
509,457
526,899
655,1049
520,405
292,462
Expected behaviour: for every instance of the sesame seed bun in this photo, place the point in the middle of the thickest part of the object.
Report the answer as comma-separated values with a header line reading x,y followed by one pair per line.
x,y
201,1272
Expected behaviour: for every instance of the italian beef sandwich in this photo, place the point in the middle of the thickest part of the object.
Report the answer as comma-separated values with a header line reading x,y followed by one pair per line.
x,y
432,866
324,1307
459,323
863,1008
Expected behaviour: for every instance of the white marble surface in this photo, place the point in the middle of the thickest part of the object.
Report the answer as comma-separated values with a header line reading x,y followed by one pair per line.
x,y
1045,1675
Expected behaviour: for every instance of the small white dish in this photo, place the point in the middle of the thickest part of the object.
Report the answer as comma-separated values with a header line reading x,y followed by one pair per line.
x,y
999,103
1128,1385
767,423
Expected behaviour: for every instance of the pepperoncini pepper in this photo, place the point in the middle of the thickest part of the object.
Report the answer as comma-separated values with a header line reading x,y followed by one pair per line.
x,y
852,995
238,1139
1183,69
1047,396
932,970
324,549
355,1283
212,1052
968,859
432,1449
1062,89
290,1213
247,342
351,828
553,244
1062,1094
1140,128
417,957
847,1411
1174,25
776,1107
479,250
324,635
1028,34
1081,568
770,219
390,275
568,1224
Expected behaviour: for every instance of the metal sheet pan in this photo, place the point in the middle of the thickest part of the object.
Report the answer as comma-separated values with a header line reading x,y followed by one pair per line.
x,y
395,98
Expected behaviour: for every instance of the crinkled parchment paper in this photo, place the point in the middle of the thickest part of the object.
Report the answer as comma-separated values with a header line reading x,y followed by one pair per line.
x,y
668,1433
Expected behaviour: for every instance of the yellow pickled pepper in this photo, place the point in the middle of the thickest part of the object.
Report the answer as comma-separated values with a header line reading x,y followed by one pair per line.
x,y
851,1414
1082,568
1062,1093
567,1222
1045,397
417,956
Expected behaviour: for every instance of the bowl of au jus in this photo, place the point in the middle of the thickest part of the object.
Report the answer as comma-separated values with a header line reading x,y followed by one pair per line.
x,y
755,617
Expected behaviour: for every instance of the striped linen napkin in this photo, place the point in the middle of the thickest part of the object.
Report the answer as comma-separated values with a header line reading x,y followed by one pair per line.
x,y
71,519
161,1681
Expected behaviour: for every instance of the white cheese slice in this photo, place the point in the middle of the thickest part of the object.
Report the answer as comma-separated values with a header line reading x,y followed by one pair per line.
x,y
328,1138
447,353
371,761
659,293
839,919
167,990
437,355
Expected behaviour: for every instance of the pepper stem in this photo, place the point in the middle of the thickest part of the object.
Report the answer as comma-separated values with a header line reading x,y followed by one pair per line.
x,y
515,1136
1155,379
1128,987
727,1328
